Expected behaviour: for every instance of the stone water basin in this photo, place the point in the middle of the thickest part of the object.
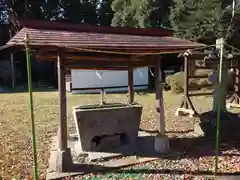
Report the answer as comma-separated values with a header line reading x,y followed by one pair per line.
x,y
102,128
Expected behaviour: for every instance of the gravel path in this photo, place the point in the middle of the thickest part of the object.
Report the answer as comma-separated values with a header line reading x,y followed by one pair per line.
x,y
15,137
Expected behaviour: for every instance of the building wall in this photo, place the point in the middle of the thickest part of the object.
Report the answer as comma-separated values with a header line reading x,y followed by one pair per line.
x,y
90,79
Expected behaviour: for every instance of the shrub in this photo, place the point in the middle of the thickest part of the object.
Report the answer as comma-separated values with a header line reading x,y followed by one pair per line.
x,y
176,82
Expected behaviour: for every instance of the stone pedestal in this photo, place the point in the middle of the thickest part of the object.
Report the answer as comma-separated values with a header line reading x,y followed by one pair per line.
x,y
229,126
220,91
63,160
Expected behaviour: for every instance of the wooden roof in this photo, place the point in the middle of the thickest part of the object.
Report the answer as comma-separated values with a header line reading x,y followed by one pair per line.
x,y
63,26
96,45
101,41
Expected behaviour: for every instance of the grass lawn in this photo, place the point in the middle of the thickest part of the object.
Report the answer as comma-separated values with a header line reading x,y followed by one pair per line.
x,y
15,132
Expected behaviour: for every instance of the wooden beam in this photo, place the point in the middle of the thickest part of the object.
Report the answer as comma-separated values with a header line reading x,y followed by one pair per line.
x,y
202,55
109,68
109,87
201,94
94,57
81,57
160,122
12,63
109,63
98,68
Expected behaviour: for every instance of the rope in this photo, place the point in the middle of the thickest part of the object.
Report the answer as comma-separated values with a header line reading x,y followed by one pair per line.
x,y
189,51
151,72
128,53
238,50
99,75
140,73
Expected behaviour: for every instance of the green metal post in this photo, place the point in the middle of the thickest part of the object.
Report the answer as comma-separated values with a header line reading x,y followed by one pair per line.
x,y
219,108
31,106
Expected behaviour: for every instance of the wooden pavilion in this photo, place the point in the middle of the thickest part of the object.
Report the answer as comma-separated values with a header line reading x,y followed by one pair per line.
x,y
100,48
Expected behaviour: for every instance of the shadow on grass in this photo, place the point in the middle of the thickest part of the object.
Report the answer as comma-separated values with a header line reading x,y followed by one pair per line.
x,y
182,148
100,170
25,90
170,171
138,92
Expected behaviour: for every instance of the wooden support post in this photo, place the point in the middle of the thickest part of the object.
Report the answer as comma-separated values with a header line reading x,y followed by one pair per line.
x,y
64,159
102,102
12,69
159,99
12,63
63,106
186,80
130,86
161,143
186,106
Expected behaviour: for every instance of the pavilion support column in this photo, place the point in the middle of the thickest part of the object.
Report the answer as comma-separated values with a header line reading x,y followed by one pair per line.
x,y
130,86
161,143
64,158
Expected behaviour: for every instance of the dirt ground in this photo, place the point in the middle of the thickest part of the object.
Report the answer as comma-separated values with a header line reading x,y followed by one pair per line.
x,y
15,134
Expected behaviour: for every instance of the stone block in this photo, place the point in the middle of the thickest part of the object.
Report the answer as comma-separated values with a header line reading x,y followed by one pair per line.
x,y
102,127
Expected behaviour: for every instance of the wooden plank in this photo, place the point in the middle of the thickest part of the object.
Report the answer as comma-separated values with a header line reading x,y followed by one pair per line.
x,y
106,66
211,67
197,56
112,87
201,94
98,68
81,56
109,63
127,162
199,76
204,67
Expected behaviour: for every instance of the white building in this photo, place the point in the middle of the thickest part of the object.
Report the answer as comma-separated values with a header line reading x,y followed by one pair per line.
x,y
111,81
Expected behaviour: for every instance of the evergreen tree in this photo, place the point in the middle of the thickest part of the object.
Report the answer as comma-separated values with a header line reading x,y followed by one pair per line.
x,y
160,13
140,13
201,20
89,11
123,14
105,13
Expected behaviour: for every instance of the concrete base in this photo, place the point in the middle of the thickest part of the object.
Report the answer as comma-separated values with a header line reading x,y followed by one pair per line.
x,y
96,161
161,144
198,130
184,111
229,122
63,160
232,105
96,156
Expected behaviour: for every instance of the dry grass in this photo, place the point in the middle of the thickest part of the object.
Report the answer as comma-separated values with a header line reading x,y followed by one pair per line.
x,y
15,132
